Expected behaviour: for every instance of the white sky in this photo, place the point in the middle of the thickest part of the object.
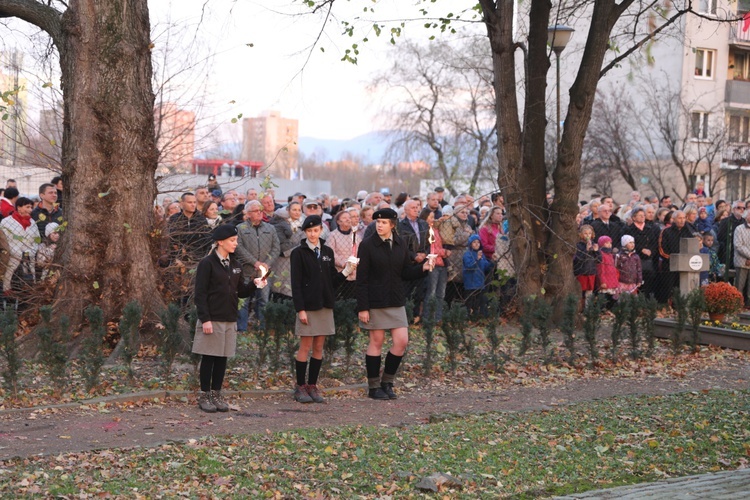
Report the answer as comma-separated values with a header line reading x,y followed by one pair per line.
x,y
329,97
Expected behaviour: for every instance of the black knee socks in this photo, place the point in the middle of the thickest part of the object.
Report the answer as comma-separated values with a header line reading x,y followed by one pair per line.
x,y
212,371
372,364
315,364
300,369
391,367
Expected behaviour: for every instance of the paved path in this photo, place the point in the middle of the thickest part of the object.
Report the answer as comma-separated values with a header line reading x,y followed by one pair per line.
x,y
727,485
79,428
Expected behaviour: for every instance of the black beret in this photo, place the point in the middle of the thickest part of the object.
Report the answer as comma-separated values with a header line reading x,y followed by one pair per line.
x,y
385,213
223,232
312,221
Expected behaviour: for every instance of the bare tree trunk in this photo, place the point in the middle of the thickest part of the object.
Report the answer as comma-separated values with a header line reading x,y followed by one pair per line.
x,y
567,181
109,158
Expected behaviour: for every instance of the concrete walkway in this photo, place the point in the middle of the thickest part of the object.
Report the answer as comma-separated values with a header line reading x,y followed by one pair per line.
x,y
726,485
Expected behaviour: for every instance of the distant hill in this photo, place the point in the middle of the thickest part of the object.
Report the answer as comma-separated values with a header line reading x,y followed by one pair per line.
x,y
370,146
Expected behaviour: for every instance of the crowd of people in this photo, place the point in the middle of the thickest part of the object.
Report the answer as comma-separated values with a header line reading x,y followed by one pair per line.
x,y
383,253
29,232
626,249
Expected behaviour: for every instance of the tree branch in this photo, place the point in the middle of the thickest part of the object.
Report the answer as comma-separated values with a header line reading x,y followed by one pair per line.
x,y
42,16
614,62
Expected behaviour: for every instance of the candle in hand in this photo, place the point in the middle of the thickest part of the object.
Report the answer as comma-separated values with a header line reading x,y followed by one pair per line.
x,y
431,239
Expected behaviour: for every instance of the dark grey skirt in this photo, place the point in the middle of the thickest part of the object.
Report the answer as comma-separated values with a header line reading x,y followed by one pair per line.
x,y
318,323
386,318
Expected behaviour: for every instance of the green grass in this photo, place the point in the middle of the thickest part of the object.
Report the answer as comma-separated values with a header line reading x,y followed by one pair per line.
x,y
571,449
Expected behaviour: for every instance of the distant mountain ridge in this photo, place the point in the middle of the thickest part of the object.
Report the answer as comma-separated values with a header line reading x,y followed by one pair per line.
x,y
371,147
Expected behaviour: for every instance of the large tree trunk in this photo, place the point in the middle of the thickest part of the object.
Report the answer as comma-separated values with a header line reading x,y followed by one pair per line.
x,y
109,158
514,179
567,175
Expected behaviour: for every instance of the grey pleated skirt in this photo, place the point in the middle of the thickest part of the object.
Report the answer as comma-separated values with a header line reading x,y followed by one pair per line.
x,y
318,323
386,318
222,342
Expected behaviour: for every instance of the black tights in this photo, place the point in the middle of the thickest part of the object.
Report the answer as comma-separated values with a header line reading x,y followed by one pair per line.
x,y
212,372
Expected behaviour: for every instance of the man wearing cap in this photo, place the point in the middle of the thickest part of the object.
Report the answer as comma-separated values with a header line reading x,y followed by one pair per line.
x,y
312,207
361,195
213,184
384,263
218,287
440,190
387,197
298,197
258,247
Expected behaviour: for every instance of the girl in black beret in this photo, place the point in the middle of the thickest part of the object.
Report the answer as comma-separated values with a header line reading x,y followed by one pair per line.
x,y
313,274
218,286
384,264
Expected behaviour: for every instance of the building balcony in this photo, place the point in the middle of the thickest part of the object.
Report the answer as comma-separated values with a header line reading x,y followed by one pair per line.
x,y
737,154
737,93
738,35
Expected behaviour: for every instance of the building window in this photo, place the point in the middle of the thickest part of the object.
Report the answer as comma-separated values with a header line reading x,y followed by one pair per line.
x,y
738,128
742,66
704,63
707,6
699,125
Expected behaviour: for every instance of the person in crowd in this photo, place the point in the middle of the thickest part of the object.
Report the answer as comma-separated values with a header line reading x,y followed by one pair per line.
x,y
646,238
213,185
585,260
229,204
438,278
174,208
725,233
628,265
703,223
715,267
11,183
387,196
594,205
719,216
23,242
440,190
506,270
365,216
314,279
189,233
344,242
258,247
700,188
218,286
650,211
384,264
691,217
374,198
280,277
211,213
8,202
414,232
46,251
665,201
399,202
202,197
742,256
47,210
433,203
669,243
312,207
606,224
252,194
268,206
475,269
455,232
58,183
607,280
491,226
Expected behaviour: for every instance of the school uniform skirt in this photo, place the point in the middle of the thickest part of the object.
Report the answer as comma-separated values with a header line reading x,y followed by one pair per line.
x,y
222,342
386,318
319,322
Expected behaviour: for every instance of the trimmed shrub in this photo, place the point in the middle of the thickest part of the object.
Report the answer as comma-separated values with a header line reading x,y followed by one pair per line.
x,y
9,349
132,314
92,356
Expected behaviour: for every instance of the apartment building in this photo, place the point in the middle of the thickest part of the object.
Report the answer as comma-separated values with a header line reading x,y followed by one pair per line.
x,y
273,141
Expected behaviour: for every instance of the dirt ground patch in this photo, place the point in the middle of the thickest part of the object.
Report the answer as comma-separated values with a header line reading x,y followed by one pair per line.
x,y
53,431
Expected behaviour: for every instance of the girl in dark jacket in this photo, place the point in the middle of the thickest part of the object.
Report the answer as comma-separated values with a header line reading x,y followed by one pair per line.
x,y
383,267
218,287
584,261
313,278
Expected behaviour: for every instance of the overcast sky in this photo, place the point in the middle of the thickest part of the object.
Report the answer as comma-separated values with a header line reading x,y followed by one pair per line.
x,y
328,96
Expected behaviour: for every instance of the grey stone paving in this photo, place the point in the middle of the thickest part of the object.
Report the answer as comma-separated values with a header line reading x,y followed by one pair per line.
x,y
726,485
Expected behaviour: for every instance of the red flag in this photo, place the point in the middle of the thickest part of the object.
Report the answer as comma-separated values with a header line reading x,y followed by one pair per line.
x,y
746,22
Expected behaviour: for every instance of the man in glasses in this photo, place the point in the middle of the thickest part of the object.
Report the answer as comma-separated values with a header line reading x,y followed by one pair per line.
x,y
310,207
725,234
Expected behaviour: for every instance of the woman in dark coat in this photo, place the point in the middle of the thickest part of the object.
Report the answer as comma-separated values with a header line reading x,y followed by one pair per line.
x,y
218,287
383,267
313,278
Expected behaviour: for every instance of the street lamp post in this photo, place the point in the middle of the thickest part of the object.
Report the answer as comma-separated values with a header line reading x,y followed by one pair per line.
x,y
557,38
